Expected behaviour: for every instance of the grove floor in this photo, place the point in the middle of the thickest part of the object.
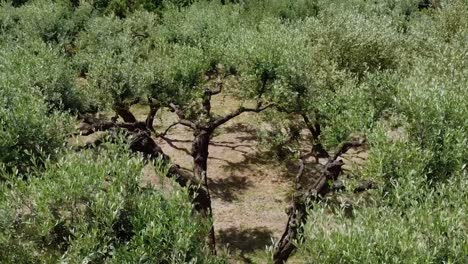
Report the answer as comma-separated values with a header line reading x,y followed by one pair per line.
x,y
249,189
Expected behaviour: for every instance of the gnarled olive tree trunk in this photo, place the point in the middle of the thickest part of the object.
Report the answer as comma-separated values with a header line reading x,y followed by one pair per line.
x,y
200,154
304,198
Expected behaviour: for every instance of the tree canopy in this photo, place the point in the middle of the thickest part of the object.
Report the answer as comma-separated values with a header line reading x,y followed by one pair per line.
x,y
322,77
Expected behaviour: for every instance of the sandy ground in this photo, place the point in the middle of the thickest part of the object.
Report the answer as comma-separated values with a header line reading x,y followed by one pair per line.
x,y
249,190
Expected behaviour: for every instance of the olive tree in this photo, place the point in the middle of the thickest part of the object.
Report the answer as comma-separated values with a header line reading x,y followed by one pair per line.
x,y
419,156
31,95
113,62
378,82
91,206
326,86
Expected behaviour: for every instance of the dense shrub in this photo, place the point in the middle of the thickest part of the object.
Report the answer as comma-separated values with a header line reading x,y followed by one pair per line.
x,y
31,94
29,132
90,207
46,20
428,231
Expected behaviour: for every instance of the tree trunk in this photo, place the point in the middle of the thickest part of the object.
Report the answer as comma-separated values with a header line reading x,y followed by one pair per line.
x,y
150,118
125,113
200,160
200,152
317,148
297,215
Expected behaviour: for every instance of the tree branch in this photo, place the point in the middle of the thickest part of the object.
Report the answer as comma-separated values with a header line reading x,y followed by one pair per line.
x,y
176,109
154,107
188,123
163,134
125,113
297,214
207,101
239,111
220,88
134,101
314,129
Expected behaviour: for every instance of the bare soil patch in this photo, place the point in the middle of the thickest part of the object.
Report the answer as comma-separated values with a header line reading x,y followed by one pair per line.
x,y
249,190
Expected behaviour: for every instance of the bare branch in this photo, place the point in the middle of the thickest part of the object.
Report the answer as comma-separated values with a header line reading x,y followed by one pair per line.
x,y
163,134
188,123
154,107
284,110
176,109
220,87
239,111
300,172
218,91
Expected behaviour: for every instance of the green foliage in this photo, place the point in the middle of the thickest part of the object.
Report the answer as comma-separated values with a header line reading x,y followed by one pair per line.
x,y
418,154
91,207
428,231
282,9
37,66
384,70
52,22
123,8
112,57
31,92
29,132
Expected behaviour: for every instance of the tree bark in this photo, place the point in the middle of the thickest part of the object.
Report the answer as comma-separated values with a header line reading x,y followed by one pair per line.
x,y
200,164
154,107
297,214
317,148
200,152
125,113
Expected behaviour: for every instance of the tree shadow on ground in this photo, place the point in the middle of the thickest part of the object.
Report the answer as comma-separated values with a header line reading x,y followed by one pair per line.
x,y
229,188
246,240
231,145
171,141
240,127
251,163
242,132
